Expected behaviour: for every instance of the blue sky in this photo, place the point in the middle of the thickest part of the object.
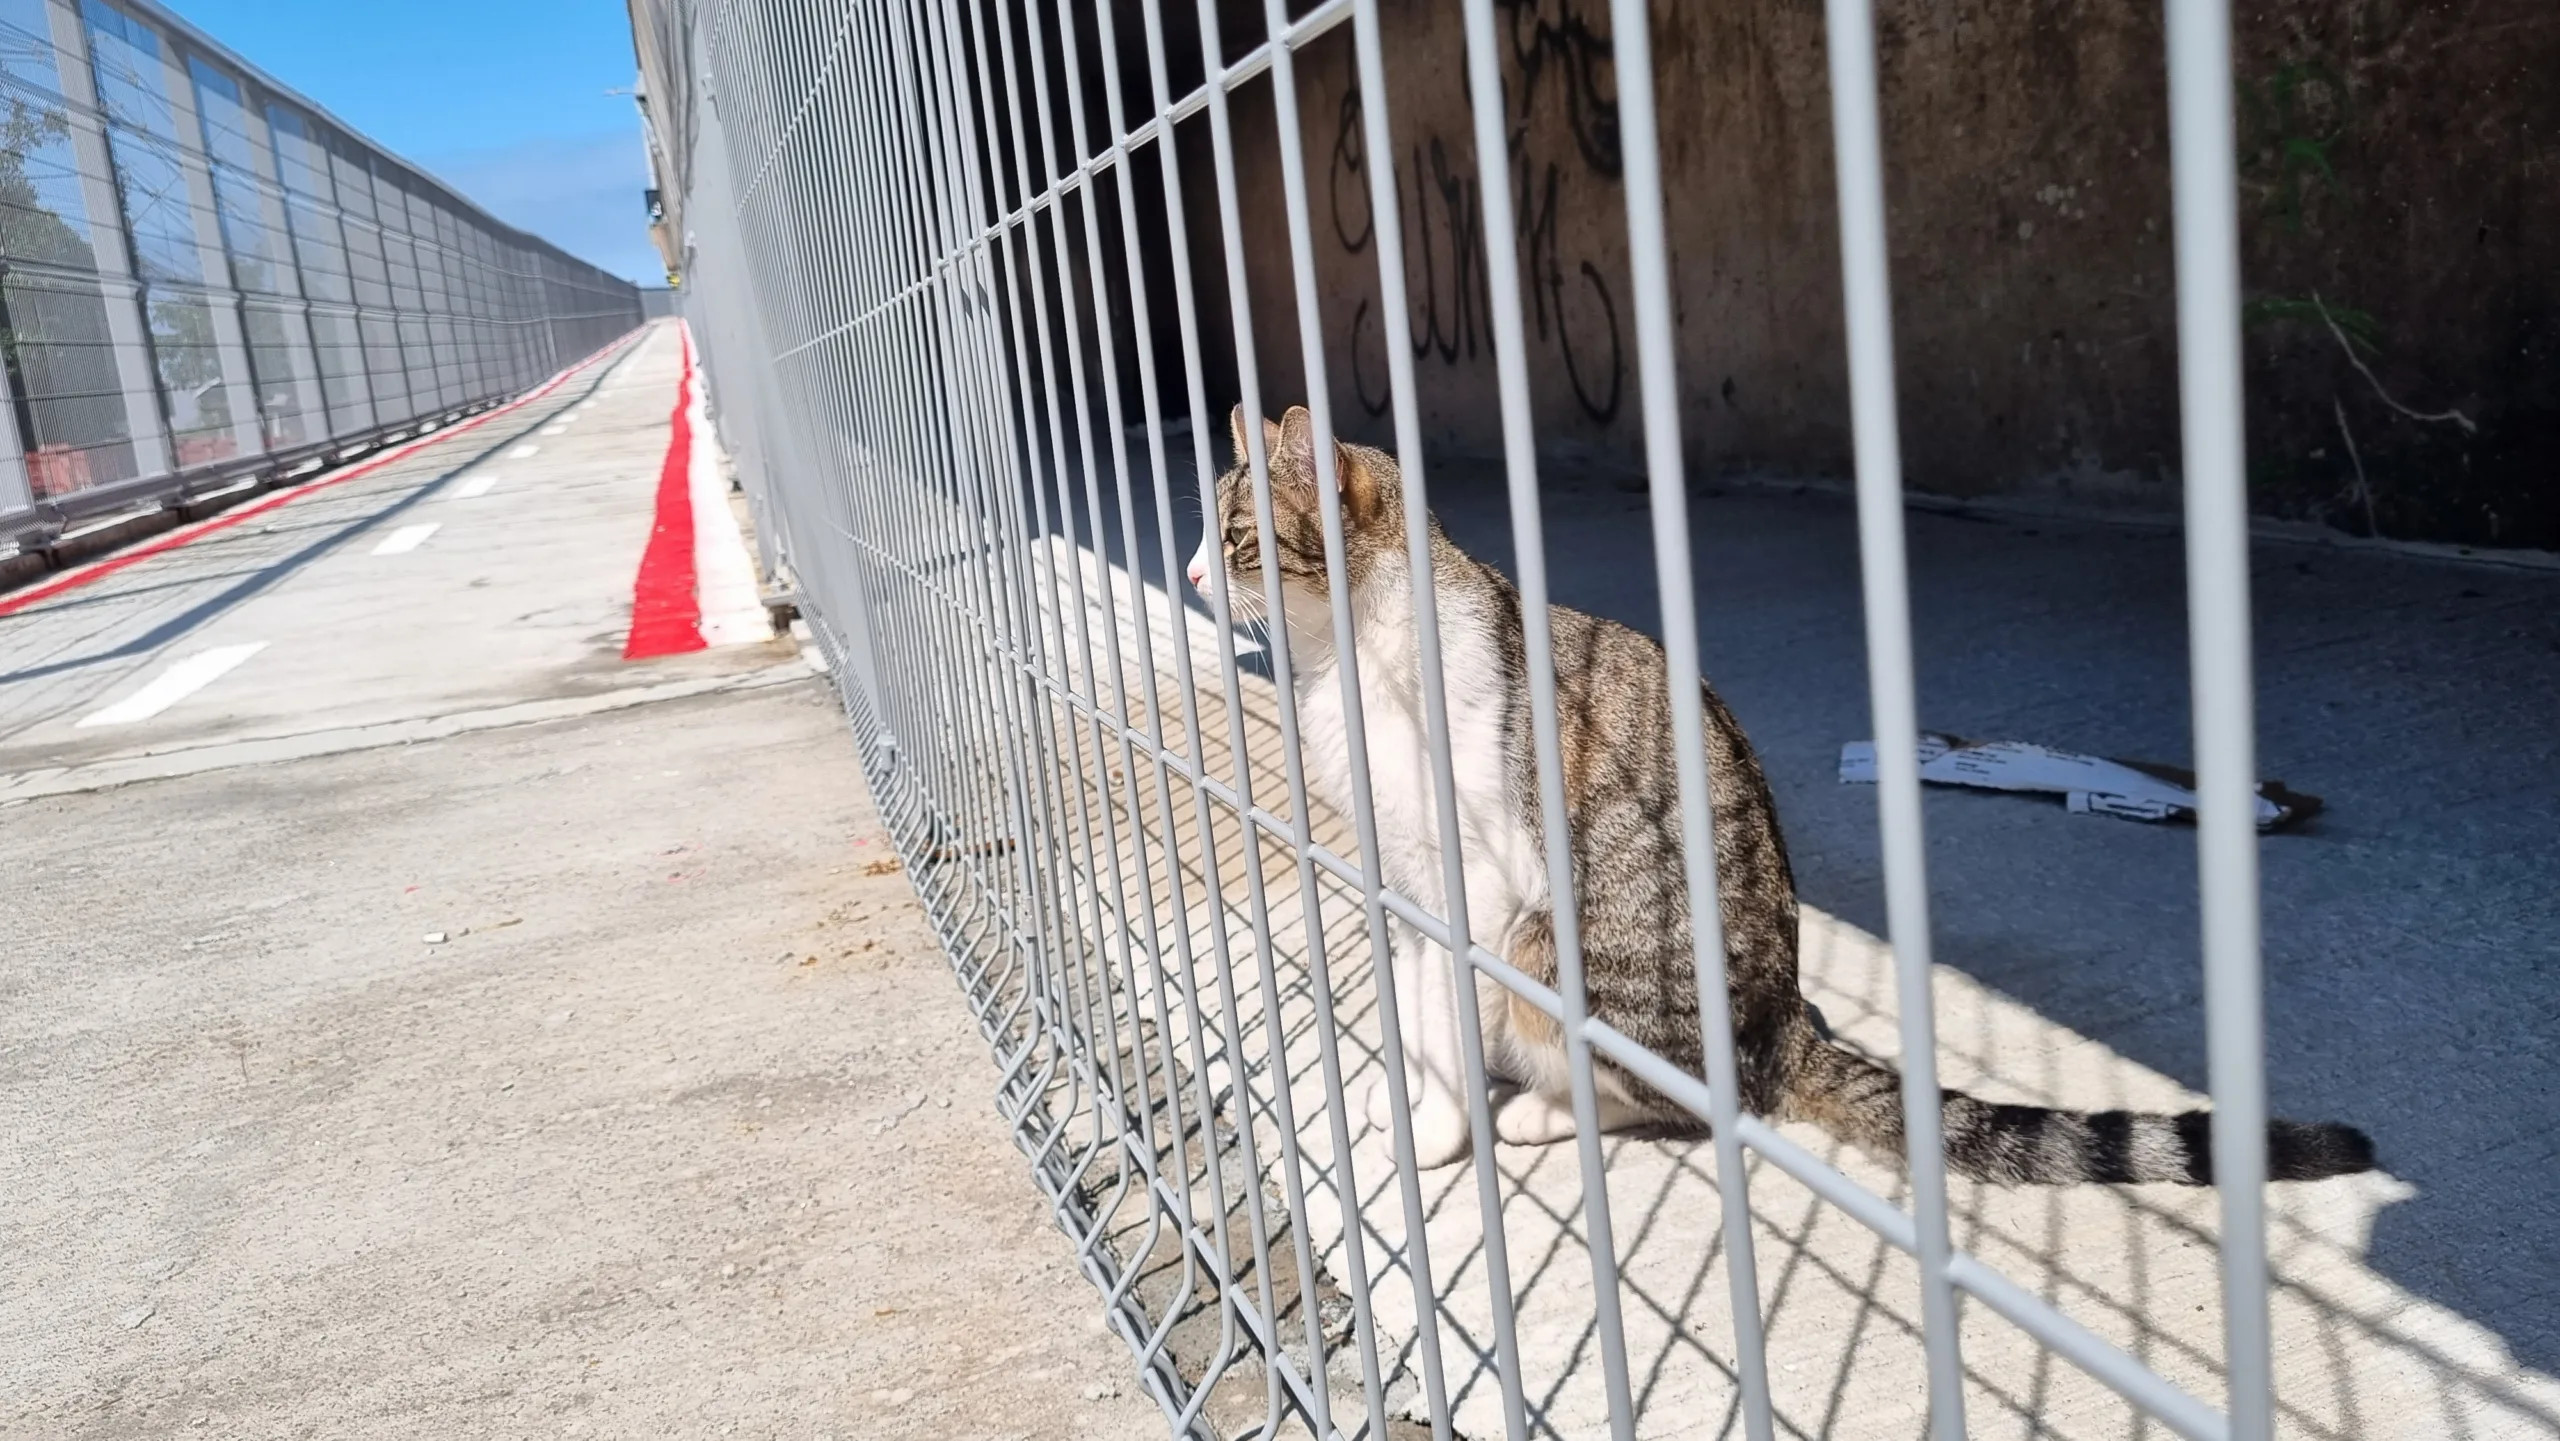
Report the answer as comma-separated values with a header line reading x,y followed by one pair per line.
x,y
505,99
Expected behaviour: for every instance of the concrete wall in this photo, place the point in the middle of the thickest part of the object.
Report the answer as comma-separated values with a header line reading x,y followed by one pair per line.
x,y
2398,169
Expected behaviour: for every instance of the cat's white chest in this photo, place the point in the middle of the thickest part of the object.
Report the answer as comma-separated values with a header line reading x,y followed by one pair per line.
x,y
1399,764
1401,790
1504,867
1324,737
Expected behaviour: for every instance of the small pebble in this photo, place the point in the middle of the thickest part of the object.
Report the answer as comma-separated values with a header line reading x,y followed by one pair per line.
x,y
1101,1391
435,938
728,1271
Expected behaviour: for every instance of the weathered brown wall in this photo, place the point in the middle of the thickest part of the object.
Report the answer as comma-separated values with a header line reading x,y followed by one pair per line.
x,y
2398,169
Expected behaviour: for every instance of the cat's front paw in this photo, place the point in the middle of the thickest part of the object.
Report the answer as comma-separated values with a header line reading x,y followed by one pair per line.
x,y
1440,1136
1379,1106
1531,1119
1440,1133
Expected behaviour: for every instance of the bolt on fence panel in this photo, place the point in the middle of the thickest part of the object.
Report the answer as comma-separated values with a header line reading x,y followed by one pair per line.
x,y
965,276
205,279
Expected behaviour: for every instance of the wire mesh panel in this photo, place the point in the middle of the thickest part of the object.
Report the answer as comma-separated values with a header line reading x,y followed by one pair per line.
x,y
204,276
1385,968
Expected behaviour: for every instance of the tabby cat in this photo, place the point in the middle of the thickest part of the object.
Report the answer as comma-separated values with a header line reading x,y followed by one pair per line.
x,y
1622,808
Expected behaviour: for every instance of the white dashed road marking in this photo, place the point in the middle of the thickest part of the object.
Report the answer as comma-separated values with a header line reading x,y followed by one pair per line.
x,y
406,539
524,452
175,684
477,485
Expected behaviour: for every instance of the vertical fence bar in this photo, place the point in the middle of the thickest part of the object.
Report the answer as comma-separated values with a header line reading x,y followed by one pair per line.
x,y
1045,678
1231,691
1519,448
1387,225
2204,188
1085,924
974,526
1121,724
1160,491
1649,261
1347,676
1858,160
1007,377
1258,460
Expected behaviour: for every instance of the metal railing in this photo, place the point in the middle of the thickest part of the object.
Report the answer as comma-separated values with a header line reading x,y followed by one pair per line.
x,y
938,254
207,280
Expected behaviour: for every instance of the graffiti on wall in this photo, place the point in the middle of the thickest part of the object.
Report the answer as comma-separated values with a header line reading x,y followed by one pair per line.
x,y
1553,59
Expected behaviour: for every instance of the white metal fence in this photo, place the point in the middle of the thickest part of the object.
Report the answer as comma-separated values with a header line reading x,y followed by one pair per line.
x,y
205,278
916,253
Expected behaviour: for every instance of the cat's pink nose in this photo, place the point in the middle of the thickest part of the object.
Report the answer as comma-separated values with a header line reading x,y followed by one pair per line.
x,y
1198,573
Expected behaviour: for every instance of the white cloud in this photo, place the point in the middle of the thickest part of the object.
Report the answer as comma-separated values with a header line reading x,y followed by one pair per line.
x,y
580,192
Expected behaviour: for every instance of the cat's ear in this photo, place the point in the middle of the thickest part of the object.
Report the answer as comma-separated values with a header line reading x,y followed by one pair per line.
x,y
1295,453
1236,438
1357,479
1235,435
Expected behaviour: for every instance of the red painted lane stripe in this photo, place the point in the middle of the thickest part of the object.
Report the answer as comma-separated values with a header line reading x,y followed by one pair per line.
x,y
666,613
186,535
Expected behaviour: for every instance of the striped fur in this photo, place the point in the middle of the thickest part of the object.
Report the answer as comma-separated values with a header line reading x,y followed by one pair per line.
x,y
1623,814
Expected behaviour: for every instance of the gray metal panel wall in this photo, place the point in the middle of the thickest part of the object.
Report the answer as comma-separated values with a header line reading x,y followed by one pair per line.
x,y
203,275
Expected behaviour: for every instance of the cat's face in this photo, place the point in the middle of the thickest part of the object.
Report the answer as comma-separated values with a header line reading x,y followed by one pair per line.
x,y
1232,538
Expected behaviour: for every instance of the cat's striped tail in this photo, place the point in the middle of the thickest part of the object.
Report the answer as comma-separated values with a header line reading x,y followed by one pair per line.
x,y
1861,1102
